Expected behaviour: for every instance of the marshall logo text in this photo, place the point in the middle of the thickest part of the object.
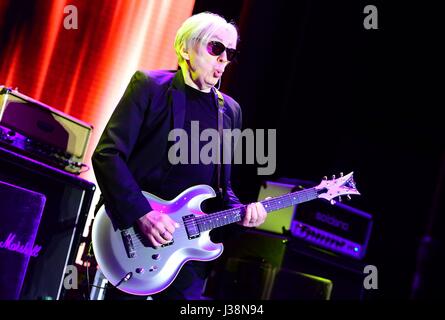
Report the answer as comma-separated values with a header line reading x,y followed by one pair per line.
x,y
26,249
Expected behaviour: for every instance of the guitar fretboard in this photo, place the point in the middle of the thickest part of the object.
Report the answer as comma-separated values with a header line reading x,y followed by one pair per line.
x,y
222,218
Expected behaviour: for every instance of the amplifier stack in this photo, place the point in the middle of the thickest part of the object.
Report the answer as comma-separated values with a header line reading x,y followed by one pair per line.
x,y
44,203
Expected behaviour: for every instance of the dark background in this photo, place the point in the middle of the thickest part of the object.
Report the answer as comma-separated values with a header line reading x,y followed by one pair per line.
x,y
343,98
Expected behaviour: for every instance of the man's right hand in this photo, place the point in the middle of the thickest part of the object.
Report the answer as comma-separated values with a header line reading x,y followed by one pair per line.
x,y
157,227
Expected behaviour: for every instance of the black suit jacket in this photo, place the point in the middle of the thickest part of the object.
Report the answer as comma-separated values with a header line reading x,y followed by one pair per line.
x,y
131,153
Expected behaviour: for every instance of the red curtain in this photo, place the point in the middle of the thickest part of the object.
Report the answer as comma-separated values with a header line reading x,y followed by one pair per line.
x,y
83,72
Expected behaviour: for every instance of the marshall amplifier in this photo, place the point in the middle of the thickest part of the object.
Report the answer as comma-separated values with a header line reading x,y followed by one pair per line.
x,y
41,132
338,228
53,229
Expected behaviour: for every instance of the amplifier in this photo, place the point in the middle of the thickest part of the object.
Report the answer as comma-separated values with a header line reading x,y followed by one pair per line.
x,y
57,229
279,221
42,132
335,227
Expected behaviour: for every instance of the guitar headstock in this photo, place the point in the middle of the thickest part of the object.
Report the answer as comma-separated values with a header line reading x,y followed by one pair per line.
x,y
344,185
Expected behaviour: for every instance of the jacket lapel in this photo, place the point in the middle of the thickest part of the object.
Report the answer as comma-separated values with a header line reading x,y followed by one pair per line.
x,y
178,100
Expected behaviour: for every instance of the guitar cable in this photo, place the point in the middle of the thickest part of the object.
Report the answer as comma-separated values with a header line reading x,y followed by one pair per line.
x,y
89,256
127,277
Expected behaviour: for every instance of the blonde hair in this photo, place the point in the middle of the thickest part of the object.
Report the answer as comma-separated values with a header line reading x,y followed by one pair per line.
x,y
199,28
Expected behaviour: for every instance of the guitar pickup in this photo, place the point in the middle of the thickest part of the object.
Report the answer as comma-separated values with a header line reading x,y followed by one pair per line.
x,y
128,244
191,226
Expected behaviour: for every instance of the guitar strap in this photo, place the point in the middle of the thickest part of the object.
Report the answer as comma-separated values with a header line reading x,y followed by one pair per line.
x,y
220,132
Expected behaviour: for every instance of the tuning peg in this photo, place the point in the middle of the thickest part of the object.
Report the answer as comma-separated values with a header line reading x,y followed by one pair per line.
x,y
348,196
332,201
341,174
339,199
333,176
325,178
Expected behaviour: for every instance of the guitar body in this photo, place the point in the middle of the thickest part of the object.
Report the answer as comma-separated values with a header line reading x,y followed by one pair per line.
x,y
149,270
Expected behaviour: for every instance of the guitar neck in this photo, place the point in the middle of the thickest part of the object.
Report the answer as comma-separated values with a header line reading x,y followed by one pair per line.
x,y
222,218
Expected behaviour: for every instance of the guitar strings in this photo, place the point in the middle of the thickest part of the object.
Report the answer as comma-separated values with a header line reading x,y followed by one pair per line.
x,y
200,220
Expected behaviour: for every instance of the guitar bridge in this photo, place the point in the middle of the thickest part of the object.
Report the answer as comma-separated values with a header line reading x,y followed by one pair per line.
x,y
191,227
168,244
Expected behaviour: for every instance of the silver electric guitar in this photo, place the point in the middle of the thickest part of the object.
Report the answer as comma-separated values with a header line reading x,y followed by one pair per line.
x,y
132,265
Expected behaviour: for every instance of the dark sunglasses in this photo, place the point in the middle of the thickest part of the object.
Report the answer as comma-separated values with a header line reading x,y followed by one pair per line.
x,y
216,48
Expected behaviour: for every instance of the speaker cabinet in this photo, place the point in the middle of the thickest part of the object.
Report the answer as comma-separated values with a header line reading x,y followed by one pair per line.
x,y
240,278
20,215
263,265
345,273
68,201
294,285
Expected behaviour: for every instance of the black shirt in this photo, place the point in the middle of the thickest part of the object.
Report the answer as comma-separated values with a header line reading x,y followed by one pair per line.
x,y
201,107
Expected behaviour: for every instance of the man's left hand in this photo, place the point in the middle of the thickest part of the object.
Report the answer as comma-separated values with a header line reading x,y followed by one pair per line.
x,y
255,215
